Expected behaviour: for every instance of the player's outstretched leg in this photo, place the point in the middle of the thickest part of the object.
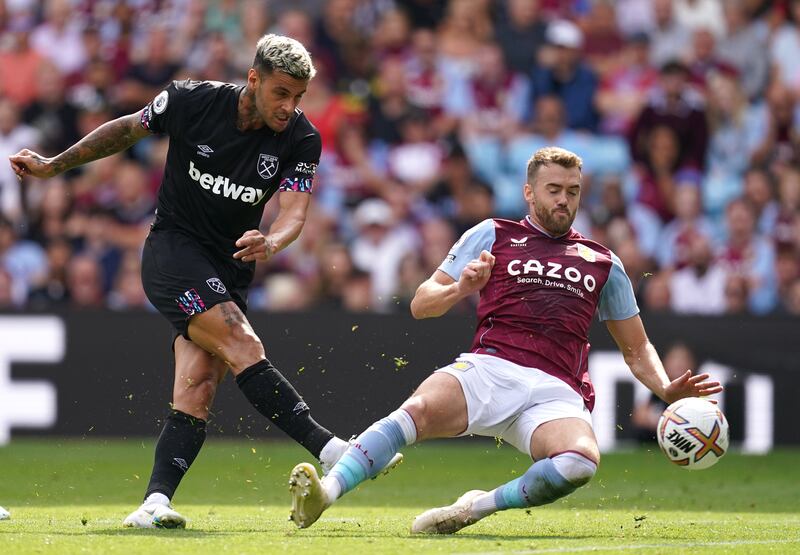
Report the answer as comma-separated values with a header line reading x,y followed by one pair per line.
x,y
369,455
544,482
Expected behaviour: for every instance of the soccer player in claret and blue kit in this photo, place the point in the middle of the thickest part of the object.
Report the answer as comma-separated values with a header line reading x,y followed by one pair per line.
x,y
231,148
525,378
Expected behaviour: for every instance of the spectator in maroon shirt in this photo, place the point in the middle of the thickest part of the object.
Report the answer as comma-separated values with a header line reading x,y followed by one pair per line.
x,y
673,104
661,170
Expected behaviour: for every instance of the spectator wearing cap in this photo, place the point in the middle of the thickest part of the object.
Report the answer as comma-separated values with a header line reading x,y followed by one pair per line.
x,y
379,248
675,105
567,76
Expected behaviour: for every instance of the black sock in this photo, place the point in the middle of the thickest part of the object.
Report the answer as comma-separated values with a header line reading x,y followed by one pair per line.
x,y
178,445
274,397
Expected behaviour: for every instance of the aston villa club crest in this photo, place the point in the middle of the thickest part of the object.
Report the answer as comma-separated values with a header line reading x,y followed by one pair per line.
x,y
586,253
216,285
267,166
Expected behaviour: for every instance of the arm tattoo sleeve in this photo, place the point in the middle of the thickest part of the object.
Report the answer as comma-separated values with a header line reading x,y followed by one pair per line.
x,y
111,137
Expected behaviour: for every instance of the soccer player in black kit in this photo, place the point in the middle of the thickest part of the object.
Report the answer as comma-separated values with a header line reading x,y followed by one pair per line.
x,y
231,148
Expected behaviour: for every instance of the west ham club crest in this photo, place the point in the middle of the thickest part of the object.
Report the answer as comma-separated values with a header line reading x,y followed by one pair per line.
x,y
267,165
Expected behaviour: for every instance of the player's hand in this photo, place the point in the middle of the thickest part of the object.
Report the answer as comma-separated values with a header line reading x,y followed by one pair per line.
x,y
476,273
27,162
254,246
687,385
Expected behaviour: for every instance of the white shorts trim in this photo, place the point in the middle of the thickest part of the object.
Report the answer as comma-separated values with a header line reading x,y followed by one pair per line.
x,y
510,401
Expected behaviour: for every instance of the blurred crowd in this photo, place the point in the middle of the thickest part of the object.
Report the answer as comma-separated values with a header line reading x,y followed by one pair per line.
x,y
685,112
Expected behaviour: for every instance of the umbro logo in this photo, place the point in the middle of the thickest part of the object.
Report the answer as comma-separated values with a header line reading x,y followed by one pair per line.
x,y
181,463
518,242
300,407
204,150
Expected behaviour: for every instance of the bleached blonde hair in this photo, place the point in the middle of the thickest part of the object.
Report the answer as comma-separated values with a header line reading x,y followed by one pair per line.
x,y
280,53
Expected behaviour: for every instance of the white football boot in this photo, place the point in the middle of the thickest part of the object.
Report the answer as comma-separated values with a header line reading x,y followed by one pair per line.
x,y
447,520
341,448
4,514
309,498
154,515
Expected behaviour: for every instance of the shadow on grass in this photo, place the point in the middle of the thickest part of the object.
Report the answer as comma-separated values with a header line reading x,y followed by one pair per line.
x,y
166,534
345,534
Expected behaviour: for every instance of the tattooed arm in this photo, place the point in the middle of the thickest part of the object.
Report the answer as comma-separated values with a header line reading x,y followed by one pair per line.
x,y
111,137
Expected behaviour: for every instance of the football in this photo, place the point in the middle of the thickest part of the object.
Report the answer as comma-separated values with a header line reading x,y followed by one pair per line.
x,y
4,514
693,433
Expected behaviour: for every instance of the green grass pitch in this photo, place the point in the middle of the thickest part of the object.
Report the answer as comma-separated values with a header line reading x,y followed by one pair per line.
x,y
70,496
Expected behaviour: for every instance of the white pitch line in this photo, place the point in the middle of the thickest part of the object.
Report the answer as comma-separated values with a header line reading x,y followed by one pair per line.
x,y
589,549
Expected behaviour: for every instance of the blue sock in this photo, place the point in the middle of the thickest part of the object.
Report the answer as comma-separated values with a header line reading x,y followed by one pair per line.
x,y
545,481
373,450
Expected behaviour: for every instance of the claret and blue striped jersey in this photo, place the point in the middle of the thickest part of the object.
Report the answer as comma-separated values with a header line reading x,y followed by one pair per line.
x,y
539,302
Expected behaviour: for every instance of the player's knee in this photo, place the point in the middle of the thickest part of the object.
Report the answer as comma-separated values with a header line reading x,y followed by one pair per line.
x,y
576,468
418,408
194,397
243,347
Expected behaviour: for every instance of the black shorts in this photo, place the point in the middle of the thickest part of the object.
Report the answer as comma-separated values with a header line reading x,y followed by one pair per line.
x,y
182,278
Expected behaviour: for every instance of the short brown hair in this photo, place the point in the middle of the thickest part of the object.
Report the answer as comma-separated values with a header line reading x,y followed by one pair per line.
x,y
552,155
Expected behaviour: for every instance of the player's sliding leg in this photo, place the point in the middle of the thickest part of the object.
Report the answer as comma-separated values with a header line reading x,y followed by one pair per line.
x,y
566,451
544,482
437,409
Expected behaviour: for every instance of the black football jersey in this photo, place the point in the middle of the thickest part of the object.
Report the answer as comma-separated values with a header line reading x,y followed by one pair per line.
x,y
217,179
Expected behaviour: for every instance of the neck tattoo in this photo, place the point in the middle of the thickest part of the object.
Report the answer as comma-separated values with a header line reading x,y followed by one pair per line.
x,y
247,116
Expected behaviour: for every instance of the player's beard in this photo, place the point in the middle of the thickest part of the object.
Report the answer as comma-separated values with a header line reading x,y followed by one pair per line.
x,y
553,221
